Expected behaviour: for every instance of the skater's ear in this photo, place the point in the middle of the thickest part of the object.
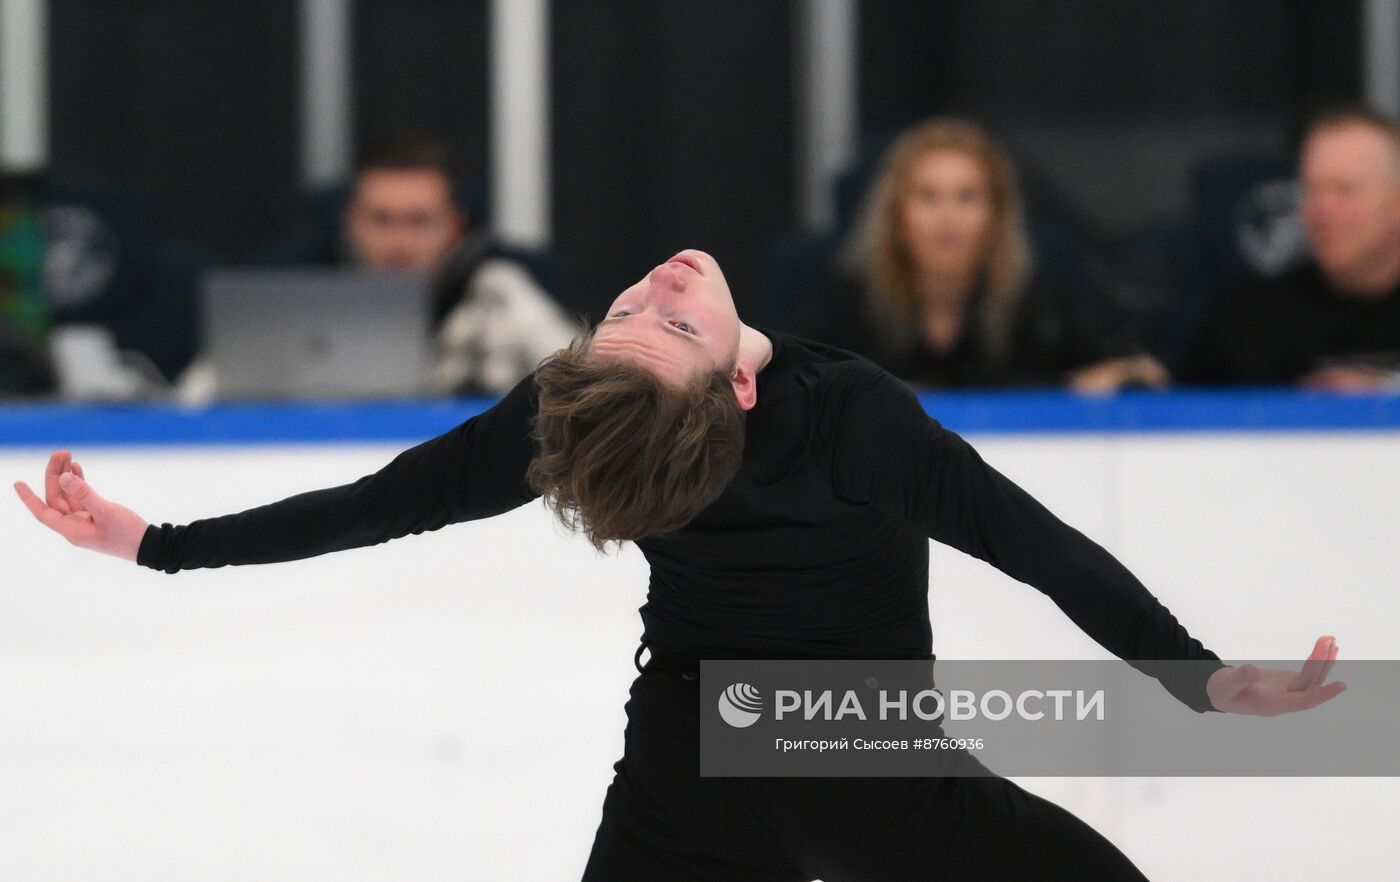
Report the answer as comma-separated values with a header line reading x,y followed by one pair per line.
x,y
745,385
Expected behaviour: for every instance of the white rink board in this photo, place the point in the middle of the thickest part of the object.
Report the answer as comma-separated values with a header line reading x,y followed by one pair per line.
x,y
449,706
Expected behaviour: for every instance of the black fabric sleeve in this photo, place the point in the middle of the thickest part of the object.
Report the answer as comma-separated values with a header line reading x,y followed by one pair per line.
x,y
475,470
888,452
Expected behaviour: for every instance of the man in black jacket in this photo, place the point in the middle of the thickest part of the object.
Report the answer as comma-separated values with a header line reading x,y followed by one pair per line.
x,y
1333,323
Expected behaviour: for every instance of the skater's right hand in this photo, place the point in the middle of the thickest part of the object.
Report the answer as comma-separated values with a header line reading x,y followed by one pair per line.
x,y
75,511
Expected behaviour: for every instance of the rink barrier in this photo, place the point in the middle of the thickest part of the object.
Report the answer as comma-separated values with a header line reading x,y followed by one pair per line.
x,y
974,413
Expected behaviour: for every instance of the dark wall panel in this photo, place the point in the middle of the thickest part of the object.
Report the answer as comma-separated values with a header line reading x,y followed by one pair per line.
x,y
1102,57
421,66
193,101
673,127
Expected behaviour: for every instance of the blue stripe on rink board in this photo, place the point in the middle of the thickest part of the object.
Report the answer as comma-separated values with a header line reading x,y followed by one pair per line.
x,y
983,412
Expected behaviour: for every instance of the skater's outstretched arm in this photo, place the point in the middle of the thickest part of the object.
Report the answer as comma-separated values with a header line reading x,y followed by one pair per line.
x,y
889,452
475,470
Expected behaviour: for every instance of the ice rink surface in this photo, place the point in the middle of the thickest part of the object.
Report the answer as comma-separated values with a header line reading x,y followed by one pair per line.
x,y
448,706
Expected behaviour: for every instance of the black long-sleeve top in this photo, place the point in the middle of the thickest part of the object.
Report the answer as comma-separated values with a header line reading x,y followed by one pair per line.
x,y
1279,330
818,547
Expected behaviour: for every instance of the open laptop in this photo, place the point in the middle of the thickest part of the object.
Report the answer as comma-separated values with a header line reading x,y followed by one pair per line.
x,y
317,333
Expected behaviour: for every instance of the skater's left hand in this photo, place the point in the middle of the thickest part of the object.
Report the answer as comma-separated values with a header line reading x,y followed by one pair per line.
x,y
1268,692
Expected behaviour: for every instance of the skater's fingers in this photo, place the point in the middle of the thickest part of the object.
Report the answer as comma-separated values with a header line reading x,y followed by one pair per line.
x,y
1291,702
79,490
53,494
1327,667
58,463
80,493
43,513
1313,668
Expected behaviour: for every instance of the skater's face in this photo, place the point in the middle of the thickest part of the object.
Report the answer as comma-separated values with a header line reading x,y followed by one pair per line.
x,y
403,219
678,321
1351,198
946,213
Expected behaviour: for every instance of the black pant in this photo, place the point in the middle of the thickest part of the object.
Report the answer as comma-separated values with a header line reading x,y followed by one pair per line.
x,y
662,822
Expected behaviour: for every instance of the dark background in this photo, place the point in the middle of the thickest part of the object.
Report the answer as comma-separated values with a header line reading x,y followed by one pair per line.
x,y
673,123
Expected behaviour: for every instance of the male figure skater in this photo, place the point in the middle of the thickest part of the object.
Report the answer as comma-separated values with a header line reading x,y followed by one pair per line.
x,y
784,493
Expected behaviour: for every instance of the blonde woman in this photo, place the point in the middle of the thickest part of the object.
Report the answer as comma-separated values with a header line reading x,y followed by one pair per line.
x,y
937,280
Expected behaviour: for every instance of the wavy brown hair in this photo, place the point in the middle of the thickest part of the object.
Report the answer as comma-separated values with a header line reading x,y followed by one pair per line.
x,y
623,455
876,251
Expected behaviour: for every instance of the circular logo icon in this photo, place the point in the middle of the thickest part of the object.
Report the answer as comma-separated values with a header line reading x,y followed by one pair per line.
x,y
740,705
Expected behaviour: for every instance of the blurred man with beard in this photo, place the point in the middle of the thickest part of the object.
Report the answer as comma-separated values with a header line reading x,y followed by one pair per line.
x,y
1333,323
